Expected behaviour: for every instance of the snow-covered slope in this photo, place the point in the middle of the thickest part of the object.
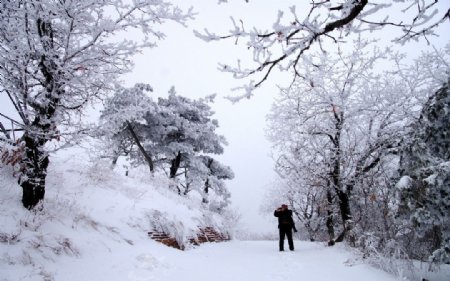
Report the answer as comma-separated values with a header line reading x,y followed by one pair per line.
x,y
94,227
94,220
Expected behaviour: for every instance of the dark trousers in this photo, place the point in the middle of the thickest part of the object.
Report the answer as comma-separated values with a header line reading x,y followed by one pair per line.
x,y
286,231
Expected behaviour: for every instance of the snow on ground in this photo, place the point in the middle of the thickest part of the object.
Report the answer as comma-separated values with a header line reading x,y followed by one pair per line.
x,y
94,227
260,260
94,218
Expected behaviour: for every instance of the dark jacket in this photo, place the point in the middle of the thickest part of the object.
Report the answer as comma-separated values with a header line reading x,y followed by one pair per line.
x,y
285,219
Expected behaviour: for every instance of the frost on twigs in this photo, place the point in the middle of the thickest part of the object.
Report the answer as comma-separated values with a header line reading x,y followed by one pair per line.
x,y
247,92
326,22
226,1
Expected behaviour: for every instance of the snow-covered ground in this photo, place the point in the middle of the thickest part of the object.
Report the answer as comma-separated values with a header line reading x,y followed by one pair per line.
x,y
94,227
260,260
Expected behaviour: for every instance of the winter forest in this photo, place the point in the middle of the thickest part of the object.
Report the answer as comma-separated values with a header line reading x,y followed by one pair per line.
x,y
134,133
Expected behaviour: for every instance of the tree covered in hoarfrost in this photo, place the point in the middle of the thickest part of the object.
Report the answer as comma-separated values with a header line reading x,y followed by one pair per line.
x,y
175,134
337,132
56,56
335,127
206,175
316,24
184,127
183,133
121,123
425,184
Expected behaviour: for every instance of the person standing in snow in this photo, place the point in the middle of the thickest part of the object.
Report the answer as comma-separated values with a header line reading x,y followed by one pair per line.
x,y
285,225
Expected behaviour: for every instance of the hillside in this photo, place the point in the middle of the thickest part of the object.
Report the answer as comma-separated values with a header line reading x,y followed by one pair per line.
x,y
93,218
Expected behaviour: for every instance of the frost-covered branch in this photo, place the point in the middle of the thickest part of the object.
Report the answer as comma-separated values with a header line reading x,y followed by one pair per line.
x,y
283,46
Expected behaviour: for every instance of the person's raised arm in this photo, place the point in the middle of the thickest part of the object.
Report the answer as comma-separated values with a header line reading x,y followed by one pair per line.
x,y
276,213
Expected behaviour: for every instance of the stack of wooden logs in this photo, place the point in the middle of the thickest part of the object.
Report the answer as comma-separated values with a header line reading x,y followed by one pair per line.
x,y
206,234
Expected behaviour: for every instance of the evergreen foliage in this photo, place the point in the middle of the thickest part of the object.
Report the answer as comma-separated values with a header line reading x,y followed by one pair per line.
x,y
176,135
425,184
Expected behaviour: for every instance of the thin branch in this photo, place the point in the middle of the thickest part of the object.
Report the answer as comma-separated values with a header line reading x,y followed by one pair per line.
x,y
147,155
12,120
357,9
5,131
96,38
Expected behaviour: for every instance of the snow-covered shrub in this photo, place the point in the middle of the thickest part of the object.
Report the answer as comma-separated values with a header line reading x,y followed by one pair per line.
x,y
170,225
387,255
227,222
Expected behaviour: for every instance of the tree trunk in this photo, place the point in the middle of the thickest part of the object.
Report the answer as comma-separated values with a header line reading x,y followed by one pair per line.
x,y
330,222
114,160
207,184
336,177
175,165
147,156
344,206
35,171
206,190
43,127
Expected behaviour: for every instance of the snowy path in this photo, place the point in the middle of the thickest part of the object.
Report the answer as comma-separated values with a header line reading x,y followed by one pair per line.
x,y
260,261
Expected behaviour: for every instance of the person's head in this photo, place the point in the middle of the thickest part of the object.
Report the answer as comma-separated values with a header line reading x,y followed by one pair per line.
x,y
284,206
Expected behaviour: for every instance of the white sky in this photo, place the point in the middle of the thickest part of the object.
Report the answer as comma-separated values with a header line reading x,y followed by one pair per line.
x,y
189,64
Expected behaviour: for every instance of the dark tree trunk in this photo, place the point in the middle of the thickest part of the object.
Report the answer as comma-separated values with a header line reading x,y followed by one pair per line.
x,y
330,222
207,184
35,165
115,159
206,190
175,165
43,128
146,155
343,197
344,206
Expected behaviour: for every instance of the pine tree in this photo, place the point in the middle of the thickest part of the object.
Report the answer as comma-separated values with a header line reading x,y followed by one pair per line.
x,y
425,184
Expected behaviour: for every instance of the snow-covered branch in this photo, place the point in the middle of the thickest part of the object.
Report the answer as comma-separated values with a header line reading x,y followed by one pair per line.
x,y
283,46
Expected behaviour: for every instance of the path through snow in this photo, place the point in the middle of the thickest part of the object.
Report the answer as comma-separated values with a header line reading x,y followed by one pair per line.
x,y
260,260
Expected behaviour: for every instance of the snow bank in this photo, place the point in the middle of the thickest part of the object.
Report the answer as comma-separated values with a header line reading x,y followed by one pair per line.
x,y
94,219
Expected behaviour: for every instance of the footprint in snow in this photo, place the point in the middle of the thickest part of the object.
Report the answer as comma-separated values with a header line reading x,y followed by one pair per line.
x,y
145,264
